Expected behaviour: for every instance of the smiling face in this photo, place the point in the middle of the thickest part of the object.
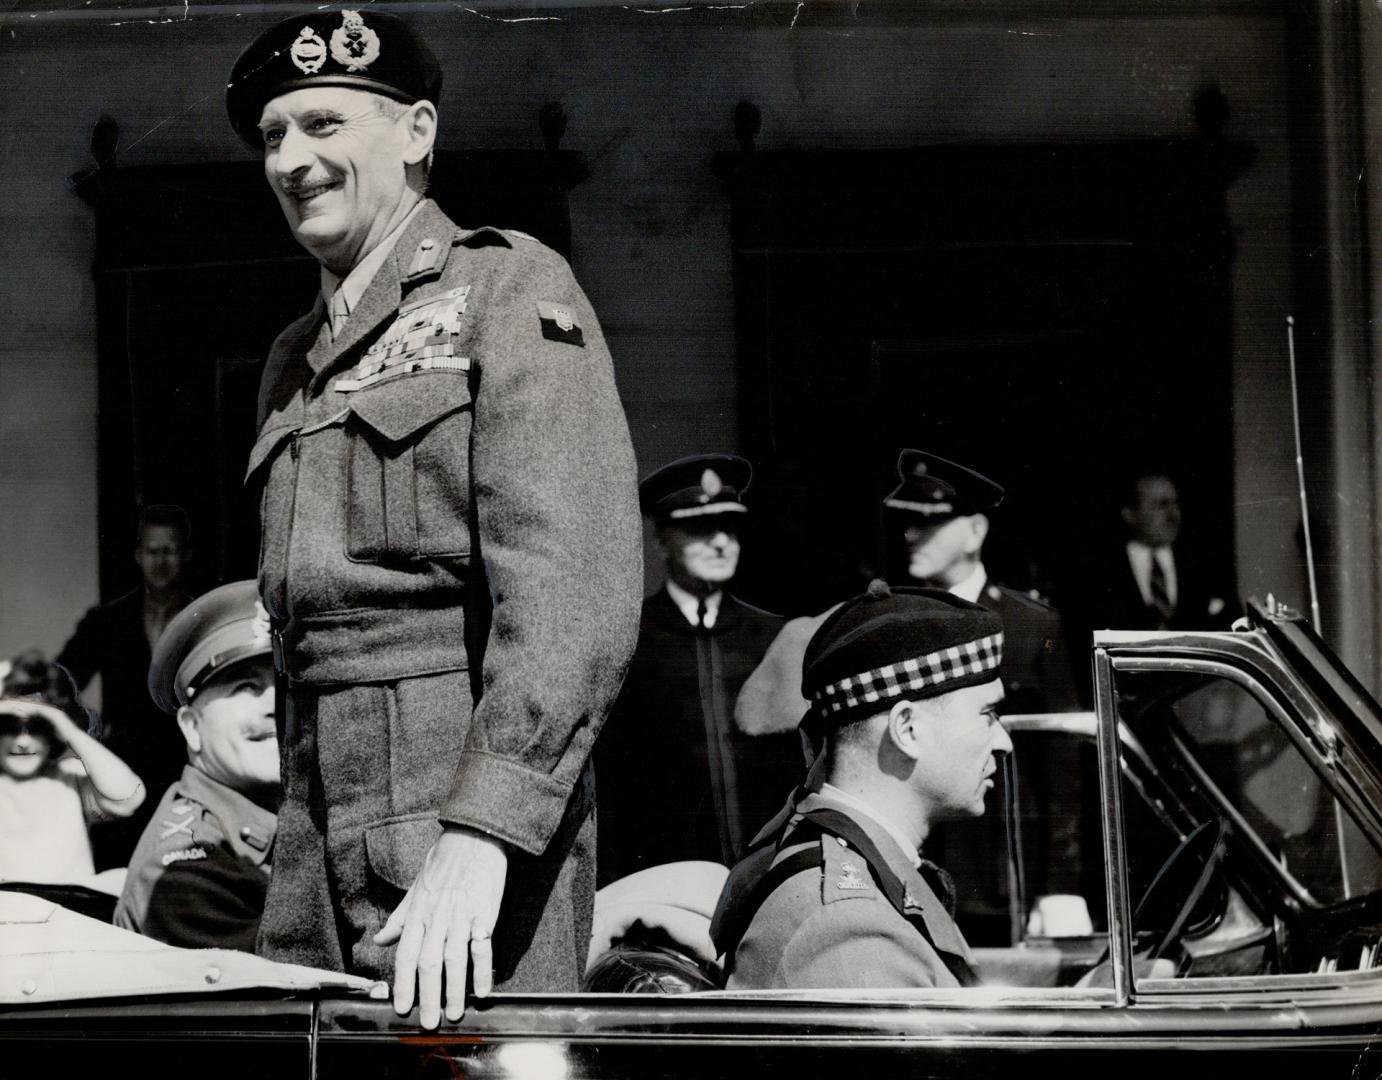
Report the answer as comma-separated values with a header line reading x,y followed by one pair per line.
x,y
706,554
337,160
26,744
960,734
229,728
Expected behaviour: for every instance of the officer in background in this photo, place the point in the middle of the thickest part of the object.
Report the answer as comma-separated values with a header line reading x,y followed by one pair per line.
x,y
944,511
904,693
451,546
677,779
201,870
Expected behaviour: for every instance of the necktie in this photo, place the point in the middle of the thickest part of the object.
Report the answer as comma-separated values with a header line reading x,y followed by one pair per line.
x,y
701,611
1161,596
340,311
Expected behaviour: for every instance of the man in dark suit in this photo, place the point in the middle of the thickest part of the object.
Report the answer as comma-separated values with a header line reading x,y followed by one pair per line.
x,y
451,551
677,779
115,640
1149,583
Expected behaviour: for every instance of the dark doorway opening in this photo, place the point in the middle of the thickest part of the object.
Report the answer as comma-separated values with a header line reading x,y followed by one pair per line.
x,y
1050,315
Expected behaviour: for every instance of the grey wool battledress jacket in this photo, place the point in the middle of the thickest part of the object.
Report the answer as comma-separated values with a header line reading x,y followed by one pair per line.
x,y
451,557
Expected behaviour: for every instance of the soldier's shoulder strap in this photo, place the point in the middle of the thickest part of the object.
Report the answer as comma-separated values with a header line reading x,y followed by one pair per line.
x,y
756,878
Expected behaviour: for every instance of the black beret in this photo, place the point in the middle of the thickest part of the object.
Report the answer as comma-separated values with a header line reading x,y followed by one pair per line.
x,y
890,644
938,490
215,630
704,485
363,50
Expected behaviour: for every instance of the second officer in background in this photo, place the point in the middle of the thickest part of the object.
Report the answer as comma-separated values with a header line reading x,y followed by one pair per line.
x,y
677,779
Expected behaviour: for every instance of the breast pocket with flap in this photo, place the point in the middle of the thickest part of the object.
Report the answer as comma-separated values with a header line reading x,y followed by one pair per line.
x,y
408,468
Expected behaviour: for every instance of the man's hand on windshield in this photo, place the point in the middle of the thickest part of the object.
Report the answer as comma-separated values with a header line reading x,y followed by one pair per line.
x,y
444,924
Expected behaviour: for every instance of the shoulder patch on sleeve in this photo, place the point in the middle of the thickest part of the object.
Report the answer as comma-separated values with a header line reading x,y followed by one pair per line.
x,y
559,323
484,236
844,875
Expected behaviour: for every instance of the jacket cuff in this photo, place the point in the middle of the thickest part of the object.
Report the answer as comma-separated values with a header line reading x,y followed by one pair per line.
x,y
515,804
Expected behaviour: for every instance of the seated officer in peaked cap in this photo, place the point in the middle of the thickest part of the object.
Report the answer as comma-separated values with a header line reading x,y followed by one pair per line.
x,y
904,695
676,779
200,871
451,552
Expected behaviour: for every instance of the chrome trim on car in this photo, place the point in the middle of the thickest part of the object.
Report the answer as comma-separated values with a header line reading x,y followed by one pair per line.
x,y
1115,858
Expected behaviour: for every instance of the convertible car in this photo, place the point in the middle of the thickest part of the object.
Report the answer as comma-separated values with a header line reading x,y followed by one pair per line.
x,y
1231,874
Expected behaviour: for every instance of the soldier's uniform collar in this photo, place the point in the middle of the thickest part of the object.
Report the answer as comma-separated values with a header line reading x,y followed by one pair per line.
x,y
919,898
354,284
249,828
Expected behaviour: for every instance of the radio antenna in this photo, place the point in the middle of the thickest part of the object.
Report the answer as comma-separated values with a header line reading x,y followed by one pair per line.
x,y
1300,477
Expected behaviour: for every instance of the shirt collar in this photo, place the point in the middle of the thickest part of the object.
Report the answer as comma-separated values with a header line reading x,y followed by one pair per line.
x,y
689,604
354,284
909,843
970,588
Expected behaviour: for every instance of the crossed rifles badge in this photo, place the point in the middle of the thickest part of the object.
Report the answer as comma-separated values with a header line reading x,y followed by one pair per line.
x,y
353,44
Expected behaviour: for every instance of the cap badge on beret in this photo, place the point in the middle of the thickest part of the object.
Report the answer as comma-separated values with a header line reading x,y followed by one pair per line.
x,y
308,52
353,44
711,484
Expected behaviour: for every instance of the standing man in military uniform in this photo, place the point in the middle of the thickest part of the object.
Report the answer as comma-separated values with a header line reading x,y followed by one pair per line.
x,y
200,872
451,548
904,693
944,511
677,778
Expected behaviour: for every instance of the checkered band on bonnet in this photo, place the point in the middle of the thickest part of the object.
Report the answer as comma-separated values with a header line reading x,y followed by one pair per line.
x,y
898,680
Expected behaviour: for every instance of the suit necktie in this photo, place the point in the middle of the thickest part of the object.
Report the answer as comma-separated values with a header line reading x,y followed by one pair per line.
x,y
1161,595
701,611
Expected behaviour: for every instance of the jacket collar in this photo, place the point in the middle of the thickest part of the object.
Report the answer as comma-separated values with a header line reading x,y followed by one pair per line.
x,y
249,828
921,900
382,297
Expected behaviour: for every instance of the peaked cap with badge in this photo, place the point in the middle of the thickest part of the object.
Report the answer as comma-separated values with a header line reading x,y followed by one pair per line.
x,y
443,454
937,489
213,631
699,486
360,50
200,872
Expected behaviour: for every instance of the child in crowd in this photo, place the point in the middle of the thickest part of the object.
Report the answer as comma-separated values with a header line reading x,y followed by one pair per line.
x,y
55,779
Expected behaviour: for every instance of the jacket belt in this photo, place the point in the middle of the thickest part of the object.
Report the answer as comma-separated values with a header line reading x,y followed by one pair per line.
x,y
363,645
